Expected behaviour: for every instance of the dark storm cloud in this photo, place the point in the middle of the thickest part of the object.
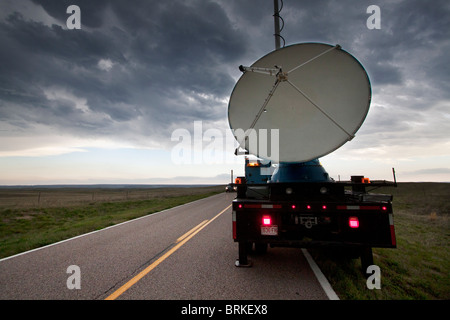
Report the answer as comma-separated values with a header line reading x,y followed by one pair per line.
x,y
154,54
92,10
41,57
408,28
144,68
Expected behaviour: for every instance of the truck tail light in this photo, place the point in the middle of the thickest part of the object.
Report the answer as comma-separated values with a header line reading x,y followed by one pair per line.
x,y
267,220
353,222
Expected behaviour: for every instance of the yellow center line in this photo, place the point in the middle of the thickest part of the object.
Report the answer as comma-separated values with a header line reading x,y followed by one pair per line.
x,y
190,231
180,242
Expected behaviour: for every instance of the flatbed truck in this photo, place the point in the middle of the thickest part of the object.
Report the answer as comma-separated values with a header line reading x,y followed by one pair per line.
x,y
311,214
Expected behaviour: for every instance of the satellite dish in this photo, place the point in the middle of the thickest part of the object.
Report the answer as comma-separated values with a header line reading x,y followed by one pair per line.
x,y
315,94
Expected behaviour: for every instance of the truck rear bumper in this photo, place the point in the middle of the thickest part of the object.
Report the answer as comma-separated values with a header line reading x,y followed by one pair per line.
x,y
308,225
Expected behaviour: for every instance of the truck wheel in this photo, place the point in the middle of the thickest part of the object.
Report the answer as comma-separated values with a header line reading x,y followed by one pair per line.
x,y
261,248
243,261
366,258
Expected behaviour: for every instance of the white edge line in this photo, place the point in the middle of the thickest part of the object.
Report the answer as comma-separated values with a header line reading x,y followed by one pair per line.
x,y
320,276
95,231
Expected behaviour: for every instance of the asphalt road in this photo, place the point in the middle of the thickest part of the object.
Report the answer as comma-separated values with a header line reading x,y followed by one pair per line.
x,y
182,253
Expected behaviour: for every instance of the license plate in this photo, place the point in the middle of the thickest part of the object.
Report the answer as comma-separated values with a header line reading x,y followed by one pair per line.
x,y
269,231
308,222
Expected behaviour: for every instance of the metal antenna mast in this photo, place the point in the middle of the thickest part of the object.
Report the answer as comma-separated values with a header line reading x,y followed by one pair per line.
x,y
276,19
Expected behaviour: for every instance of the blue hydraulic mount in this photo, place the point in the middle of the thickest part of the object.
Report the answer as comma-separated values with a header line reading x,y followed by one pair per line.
x,y
257,172
310,171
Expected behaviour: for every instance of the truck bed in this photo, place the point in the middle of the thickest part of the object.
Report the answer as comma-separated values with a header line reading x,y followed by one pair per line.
x,y
312,214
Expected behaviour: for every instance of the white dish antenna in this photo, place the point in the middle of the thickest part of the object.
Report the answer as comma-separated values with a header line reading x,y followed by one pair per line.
x,y
316,95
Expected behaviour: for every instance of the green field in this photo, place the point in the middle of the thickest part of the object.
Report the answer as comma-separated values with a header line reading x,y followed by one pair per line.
x,y
419,268
34,217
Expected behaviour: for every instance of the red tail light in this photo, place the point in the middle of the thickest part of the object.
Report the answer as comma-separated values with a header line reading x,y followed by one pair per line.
x,y
353,222
266,220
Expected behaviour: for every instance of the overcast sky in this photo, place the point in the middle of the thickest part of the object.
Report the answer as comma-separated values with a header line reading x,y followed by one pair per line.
x,y
102,104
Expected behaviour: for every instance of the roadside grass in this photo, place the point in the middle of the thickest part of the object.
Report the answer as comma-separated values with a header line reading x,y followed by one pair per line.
x,y
419,268
25,227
